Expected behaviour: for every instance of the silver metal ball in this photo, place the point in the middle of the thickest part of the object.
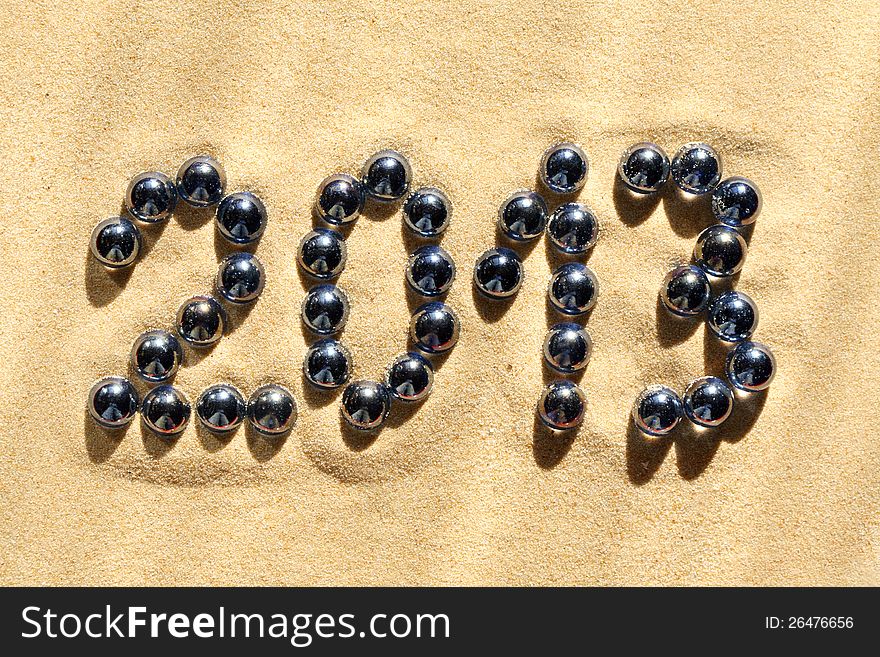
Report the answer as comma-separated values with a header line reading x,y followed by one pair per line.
x,y
410,377
322,253
736,202
116,242
573,289
733,316
221,408
386,176
241,217
327,364
707,401
573,228
241,277
165,411
720,251
325,309
434,328
201,181
644,168
696,168
657,410
567,347
427,212
498,273
201,321
156,356
562,405
365,404
523,216
430,271
113,402
564,168
686,291
151,197
271,410
751,366
339,199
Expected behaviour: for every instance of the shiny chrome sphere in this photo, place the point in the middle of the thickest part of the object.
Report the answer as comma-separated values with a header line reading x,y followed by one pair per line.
x,y
430,271
523,216
322,253
644,168
271,410
410,377
221,408
573,228
657,410
386,176
241,218
201,181
733,316
686,291
427,212
573,288
241,277
151,197
156,356
327,364
567,347
707,401
165,411
339,199
201,321
113,402
325,309
720,251
365,404
564,168
116,242
498,273
562,405
751,366
434,328
736,202
696,168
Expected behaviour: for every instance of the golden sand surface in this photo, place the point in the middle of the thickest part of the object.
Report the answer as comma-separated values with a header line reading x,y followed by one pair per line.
x,y
466,489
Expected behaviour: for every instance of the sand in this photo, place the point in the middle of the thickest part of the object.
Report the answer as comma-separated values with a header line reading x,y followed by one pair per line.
x,y
466,489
